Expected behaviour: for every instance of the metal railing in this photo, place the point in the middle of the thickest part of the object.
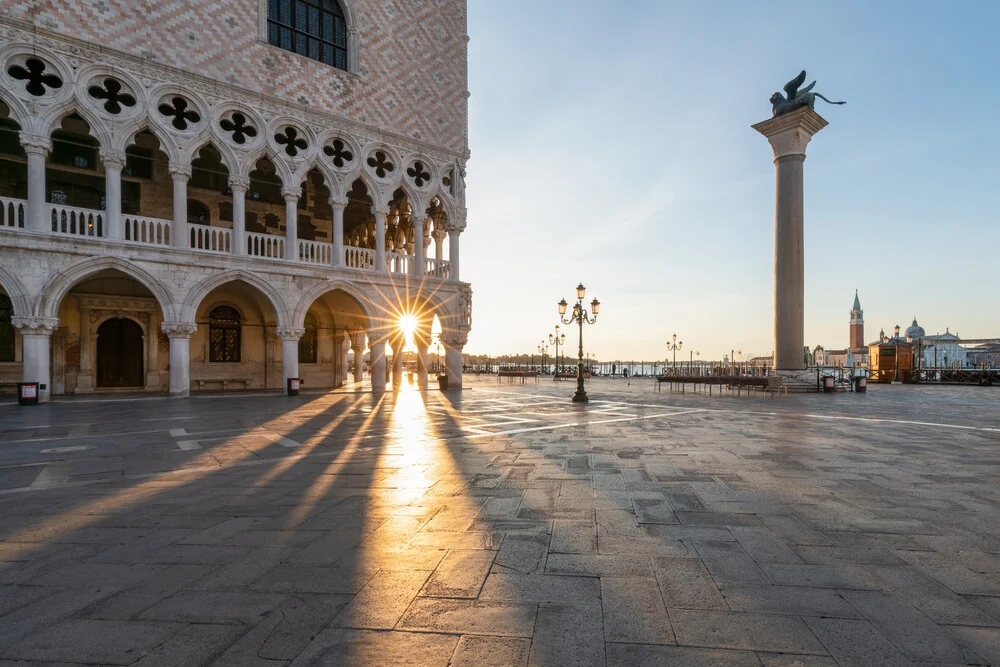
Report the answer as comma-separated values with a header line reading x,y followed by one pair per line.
x,y
76,221
13,213
150,231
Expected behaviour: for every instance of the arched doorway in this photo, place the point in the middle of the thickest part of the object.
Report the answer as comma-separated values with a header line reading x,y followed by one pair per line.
x,y
119,353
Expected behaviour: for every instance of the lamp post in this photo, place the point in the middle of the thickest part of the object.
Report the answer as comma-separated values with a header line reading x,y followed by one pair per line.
x,y
579,316
557,339
673,347
543,348
895,377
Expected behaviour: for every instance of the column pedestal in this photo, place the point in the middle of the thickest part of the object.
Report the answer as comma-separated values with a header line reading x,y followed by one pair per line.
x,y
453,343
179,334
289,354
788,135
36,335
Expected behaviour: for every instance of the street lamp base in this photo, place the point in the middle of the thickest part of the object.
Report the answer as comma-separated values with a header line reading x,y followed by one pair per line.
x,y
580,397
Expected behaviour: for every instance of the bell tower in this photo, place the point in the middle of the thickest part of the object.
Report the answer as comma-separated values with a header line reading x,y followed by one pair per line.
x,y
857,324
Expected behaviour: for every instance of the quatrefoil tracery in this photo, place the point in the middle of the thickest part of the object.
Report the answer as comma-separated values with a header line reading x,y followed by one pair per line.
x,y
34,73
381,164
179,111
291,140
112,95
418,172
338,151
239,127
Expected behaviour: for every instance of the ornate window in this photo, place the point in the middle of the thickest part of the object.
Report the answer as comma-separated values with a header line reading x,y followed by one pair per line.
x,y
6,329
308,344
224,328
312,28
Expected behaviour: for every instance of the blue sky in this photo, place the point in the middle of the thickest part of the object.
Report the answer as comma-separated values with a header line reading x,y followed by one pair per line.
x,y
611,144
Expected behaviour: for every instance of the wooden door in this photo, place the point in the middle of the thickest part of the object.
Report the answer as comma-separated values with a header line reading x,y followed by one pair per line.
x,y
119,354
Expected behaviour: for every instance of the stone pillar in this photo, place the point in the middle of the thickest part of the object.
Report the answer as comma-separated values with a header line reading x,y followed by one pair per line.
x,y
380,265
338,204
85,376
398,342
453,233
239,185
289,353
180,334
788,135
114,162
453,342
36,334
376,343
344,349
439,236
37,149
422,364
358,345
418,248
179,228
291,196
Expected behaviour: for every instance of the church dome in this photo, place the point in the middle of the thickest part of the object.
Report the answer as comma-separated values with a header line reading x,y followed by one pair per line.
x,y
914,331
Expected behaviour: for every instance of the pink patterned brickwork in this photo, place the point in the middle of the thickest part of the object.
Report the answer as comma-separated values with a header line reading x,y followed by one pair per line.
x,y
412,55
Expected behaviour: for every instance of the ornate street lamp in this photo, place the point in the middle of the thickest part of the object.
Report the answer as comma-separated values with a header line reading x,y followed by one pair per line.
x,y
895,377
673,347
579,316
543,349
557,339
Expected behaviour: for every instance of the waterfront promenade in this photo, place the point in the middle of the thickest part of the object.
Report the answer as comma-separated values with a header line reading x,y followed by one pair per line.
x,y
501,524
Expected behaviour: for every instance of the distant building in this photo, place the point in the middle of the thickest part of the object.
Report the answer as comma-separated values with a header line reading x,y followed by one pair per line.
x,y
858,327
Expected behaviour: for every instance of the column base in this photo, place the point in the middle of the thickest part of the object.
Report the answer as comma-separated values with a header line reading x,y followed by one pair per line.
x,y
84,383
580,397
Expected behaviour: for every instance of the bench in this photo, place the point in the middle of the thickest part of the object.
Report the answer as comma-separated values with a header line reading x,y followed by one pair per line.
x,y
512,375
224,382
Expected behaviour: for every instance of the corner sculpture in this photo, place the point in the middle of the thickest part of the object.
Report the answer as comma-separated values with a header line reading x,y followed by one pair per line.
x,y
796,99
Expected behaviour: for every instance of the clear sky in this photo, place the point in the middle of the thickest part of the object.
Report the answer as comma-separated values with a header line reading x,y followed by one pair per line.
x,y
611,144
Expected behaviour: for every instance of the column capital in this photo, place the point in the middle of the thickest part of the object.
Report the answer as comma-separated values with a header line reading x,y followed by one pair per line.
x,y
339,202
358,341
439,234
455,227
35,144
113,159
382,211
35,326
179,172
377,336
179,329
290,333
789,134
239,183
291,194
454,339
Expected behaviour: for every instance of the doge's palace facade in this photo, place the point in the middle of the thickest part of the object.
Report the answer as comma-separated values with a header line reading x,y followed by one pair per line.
x,y
212,195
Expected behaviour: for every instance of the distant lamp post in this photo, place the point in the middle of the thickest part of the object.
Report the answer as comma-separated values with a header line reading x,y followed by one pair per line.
x,y
673,347
895,377
579,316
557,339
543,349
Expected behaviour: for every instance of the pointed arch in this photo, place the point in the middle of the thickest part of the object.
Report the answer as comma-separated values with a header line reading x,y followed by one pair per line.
x,y
54,117
16,292
17,112
197,294
61,283
309,298
228,157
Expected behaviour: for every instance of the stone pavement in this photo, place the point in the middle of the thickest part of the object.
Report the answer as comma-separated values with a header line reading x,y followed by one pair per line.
x,y
503,525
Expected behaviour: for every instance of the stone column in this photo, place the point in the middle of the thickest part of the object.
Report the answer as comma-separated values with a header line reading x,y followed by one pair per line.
x,y
36,334
453,342
291,196
180,334
398,342
421,364
114,162
788,135
358,345
439,236
418,248
239,185
152,355
85,376
376,343
37,149
179,229
380,215
453,233
338,204
289,353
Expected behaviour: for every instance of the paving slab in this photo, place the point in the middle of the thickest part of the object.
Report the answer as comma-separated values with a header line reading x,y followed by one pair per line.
x,y
368,647
541,588
381,603
739,630
477,617
475,651
460,575
685,583
640,655
568,635
856,643
90,640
